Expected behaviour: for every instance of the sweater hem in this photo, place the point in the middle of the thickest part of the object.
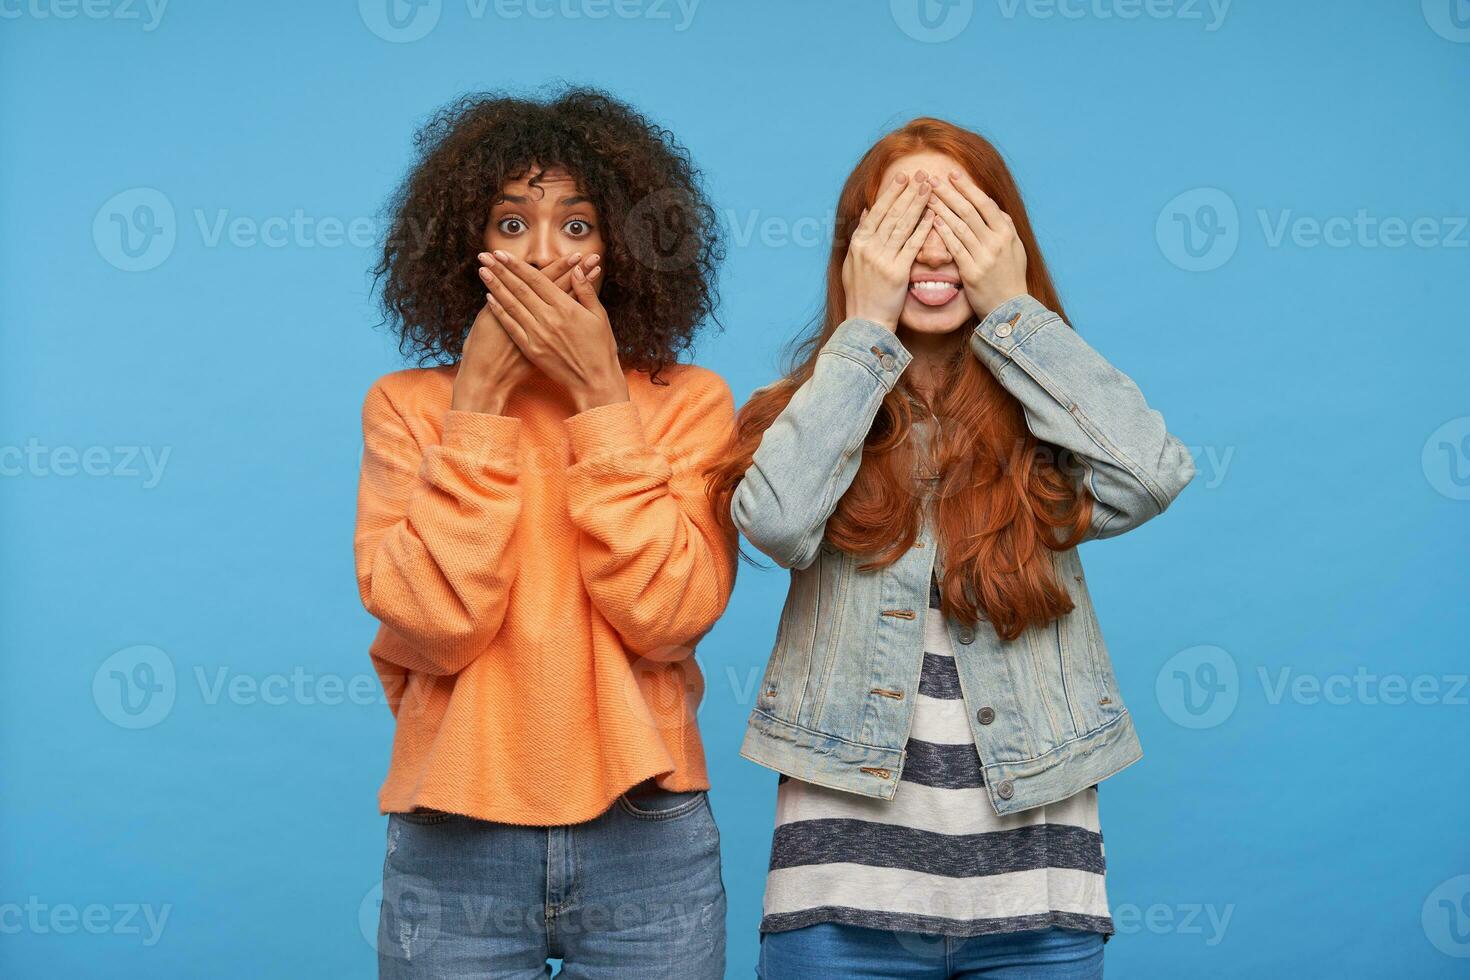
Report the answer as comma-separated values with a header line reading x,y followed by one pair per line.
x,y
669,779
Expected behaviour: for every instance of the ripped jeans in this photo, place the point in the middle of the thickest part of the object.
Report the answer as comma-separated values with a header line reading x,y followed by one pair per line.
x,y
636,892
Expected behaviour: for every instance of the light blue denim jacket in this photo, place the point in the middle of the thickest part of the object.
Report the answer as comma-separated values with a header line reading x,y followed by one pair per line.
x,y
837,698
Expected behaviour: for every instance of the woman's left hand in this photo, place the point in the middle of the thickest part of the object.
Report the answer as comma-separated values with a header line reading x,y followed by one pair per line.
x,y
568,337
982,240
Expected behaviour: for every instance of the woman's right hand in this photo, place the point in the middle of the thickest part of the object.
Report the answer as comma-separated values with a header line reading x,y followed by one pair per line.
x,y
491,365
489,368
880,257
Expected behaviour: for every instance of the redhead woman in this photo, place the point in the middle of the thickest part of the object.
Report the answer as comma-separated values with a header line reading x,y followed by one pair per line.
x,y
534,536
939,701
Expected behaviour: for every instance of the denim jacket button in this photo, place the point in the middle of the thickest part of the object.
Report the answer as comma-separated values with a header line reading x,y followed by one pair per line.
x,y
986,715
967,635
887,361
1005,790
1004,330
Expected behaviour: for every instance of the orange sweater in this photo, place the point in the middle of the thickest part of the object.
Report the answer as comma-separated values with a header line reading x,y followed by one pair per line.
x,y
541,578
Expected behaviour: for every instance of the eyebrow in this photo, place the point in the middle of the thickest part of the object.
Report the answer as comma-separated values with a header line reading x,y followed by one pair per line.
x,y
564,202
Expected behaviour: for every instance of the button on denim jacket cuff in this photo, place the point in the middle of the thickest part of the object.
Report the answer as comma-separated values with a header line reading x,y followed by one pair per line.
x,y
1044,709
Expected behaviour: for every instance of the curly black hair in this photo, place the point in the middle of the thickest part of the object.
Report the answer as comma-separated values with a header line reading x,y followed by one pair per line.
x,y
662,239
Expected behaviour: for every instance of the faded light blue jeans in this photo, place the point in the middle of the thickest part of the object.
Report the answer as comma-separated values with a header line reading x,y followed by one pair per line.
x,y
635,893
829,951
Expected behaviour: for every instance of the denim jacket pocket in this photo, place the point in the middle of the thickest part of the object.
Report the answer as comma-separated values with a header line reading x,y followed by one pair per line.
x,y
784,681
1090,676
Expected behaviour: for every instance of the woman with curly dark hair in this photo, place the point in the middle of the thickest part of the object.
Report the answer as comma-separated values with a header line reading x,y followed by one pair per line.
x,y
534,535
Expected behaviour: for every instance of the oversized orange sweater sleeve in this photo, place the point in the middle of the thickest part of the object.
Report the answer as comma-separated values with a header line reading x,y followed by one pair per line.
x,y
655,561
434,532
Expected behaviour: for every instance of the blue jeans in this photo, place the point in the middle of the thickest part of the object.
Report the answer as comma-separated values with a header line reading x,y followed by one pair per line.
x,y
828,950
636,892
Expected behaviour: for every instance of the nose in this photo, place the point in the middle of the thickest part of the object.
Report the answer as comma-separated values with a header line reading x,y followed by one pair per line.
x,y
541,247
933,252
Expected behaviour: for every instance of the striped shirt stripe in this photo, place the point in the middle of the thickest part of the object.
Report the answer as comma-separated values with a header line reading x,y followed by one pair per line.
x,y
887,845
947,766
915,893
944,811
941,722
939,679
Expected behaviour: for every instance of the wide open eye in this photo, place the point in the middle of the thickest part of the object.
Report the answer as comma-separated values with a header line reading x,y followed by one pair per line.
x,y
511,226
577,228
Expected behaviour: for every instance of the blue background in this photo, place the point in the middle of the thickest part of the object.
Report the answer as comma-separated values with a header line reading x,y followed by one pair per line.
x,y
1321,387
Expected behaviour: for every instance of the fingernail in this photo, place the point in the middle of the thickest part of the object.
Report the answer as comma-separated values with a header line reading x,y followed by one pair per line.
x,y
576,257
954,175
502,255
485,257
900,178
593,259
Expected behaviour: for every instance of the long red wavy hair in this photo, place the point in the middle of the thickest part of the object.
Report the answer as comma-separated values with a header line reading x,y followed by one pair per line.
x,y
1002,499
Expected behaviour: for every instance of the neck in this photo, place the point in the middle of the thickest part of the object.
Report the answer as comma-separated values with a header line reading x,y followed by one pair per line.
x,y
931,352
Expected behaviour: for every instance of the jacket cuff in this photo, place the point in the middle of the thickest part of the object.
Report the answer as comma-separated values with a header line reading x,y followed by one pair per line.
x,y
873,346
614,428
1010,323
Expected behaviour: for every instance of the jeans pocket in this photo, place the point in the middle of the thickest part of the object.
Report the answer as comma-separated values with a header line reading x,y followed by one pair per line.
x,y
662,804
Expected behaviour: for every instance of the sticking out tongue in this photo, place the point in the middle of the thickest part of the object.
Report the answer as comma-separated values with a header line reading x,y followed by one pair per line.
x,y
933,293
